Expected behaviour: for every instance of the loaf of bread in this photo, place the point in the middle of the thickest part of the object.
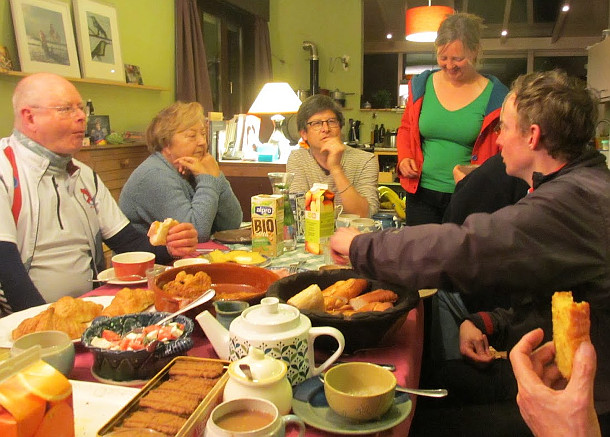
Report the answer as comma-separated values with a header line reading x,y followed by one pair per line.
x,y
571,325
309,299
158,231
339,293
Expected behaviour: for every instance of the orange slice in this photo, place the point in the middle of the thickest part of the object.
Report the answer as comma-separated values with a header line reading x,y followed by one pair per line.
x,y
45,381
18,402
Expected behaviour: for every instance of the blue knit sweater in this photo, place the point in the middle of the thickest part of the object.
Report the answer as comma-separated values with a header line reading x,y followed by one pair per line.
x,y
155,191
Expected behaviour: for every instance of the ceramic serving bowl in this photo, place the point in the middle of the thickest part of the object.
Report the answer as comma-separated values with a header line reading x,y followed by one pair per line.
x,y
359,391
361,331
57,348
230,280
116,365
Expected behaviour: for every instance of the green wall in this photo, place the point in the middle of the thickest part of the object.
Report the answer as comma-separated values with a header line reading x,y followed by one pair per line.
x,y
336,29
147,39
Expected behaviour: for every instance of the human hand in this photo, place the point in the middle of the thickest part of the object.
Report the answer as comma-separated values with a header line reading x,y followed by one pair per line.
x,y
550,412
340,242
474,344
408,168
182,240
332,148
204,165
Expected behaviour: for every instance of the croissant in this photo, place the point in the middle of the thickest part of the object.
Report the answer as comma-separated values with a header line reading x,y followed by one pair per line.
x,y
128,301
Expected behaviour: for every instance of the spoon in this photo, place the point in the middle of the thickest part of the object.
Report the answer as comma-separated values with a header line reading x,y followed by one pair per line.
x,y
207,295
120,278
432,393
244,367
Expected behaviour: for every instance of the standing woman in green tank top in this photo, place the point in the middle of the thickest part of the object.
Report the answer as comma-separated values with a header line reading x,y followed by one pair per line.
x,y
449,120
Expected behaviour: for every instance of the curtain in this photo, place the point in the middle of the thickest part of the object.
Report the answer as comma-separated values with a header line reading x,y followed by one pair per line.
x,y
262,54
192,78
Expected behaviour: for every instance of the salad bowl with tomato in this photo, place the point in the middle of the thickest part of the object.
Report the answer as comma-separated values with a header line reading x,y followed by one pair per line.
x,y
133,347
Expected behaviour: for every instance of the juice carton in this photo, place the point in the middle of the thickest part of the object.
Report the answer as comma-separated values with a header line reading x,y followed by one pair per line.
x,y
268,224
35,398
319,218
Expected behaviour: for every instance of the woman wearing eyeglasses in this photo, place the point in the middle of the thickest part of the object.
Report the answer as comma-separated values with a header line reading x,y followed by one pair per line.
x,y
449,120
180,179
350,173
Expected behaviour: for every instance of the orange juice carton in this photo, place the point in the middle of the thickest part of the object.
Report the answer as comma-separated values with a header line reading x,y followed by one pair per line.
x,y
268,224
319,218
35,398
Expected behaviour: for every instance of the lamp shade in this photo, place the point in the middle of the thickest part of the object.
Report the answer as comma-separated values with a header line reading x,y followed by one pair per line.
x,y
275,98
422,23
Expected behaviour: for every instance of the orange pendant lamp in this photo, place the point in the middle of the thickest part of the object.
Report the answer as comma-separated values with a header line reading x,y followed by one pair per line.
x,y
421,23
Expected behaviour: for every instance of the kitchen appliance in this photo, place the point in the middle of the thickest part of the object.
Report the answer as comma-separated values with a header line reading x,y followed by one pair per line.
x,y
390,139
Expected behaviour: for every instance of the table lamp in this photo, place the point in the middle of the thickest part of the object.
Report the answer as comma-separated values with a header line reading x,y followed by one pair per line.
x,y
275,98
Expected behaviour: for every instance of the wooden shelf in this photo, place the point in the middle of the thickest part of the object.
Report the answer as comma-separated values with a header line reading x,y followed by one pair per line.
x,y
385,151
92,81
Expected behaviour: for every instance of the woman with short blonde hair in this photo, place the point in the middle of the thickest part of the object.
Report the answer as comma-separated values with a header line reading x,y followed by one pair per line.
x,y
180,179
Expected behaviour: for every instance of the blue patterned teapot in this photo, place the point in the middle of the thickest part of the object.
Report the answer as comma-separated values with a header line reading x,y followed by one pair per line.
x,y
279,330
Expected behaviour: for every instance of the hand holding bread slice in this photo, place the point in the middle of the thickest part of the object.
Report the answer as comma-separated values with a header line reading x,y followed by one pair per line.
x,y
157,233
571,326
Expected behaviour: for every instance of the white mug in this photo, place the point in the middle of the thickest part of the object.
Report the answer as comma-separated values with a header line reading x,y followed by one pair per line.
x,y
344,220
366,224
251,417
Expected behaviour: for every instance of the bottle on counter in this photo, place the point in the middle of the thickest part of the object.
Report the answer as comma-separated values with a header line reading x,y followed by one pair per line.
x,y
376,135
381,134
89,108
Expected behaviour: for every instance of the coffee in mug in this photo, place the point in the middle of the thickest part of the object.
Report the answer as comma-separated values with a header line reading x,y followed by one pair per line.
x,y
251,417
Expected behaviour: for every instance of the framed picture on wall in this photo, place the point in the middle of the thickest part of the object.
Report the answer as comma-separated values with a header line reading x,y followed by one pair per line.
x,y
45,39
97,33
98,127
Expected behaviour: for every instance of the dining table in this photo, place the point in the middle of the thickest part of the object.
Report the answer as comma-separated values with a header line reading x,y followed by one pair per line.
x,y
402,350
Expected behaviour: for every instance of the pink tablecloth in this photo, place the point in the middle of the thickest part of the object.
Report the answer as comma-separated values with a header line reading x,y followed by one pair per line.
x,y
405,353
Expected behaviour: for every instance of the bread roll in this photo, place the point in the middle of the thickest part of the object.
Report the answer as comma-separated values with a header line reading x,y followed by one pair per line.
x,y
309,299
347,289
158,231
571,325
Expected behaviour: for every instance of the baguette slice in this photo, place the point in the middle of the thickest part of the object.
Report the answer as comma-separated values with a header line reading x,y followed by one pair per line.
x,y
309,299
571,326
157,233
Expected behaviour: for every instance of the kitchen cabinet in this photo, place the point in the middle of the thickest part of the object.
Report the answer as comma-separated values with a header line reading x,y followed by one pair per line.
x,y
113,163
598,67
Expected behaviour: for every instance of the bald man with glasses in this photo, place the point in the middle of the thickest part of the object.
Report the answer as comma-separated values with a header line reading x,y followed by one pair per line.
x,y
350,173
55,212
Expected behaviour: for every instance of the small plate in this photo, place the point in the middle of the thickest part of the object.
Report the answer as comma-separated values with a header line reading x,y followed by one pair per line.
x,y
95,404
309,403
109,273
234,236
10,322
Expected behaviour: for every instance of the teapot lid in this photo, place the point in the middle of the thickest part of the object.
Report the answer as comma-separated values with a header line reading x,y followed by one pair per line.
x,y
264,368
270,315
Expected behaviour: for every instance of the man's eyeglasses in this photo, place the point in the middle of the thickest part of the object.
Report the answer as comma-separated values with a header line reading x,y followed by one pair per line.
x,y
66,110
317,124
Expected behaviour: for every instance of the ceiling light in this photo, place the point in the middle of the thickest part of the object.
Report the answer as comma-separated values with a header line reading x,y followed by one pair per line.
x,y
389,36
504,32
565,8
421,23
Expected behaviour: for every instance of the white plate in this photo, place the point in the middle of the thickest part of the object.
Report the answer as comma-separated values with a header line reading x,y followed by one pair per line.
x,y
95,404
109,273
10,322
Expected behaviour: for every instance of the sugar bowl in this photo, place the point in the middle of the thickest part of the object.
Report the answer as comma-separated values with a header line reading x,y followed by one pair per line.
x,y
260,376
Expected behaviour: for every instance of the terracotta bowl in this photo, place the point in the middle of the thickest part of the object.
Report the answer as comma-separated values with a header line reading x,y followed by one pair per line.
x,y
137,365
361,331
231,282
